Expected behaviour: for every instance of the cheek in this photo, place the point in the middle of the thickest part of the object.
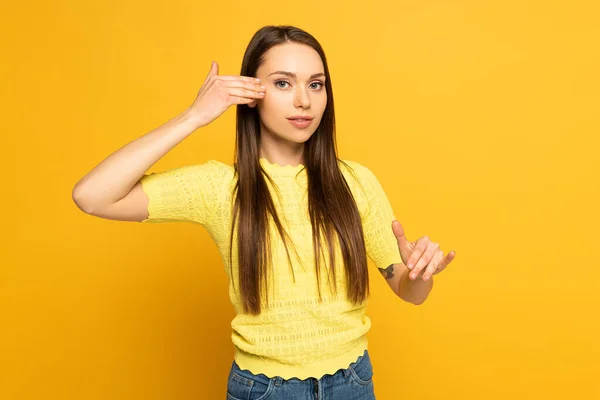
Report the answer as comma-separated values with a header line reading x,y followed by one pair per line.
x,y
271,107
323,101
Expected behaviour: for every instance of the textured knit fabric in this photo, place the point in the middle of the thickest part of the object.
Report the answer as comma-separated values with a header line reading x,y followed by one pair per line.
x,y
295,336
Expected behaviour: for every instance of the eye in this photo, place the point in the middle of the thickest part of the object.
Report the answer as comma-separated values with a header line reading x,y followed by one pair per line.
x,y
320,84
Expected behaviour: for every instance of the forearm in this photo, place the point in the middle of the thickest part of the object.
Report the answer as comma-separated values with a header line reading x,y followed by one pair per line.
x,y
115,176
414,291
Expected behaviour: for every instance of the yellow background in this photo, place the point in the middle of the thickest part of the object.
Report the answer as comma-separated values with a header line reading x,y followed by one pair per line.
x,y
479,118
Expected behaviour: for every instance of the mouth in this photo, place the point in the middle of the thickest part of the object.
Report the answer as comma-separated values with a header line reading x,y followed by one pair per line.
x,y
300,118
300,122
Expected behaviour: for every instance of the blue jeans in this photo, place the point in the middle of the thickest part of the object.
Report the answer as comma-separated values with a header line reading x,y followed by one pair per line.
x,y
352,383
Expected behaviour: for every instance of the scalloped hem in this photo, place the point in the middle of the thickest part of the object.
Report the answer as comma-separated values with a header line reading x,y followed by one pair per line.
x,y
271,368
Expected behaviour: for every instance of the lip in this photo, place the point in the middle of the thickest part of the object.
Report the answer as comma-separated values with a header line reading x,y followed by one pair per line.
x,y
301,117
301,124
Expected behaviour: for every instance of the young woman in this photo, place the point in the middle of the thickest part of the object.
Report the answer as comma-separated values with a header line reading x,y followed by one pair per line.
x,y
287,212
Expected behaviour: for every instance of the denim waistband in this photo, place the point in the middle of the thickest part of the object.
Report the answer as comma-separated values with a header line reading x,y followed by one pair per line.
x,y
279,380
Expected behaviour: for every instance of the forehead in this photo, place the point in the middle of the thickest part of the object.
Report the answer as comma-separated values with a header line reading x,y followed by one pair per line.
x,y
298,58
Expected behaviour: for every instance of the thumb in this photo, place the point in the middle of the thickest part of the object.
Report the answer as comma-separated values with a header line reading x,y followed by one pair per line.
x,y
214,70
403,244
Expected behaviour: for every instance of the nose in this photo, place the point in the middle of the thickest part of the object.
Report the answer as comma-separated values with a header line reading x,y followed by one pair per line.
x,y
302,98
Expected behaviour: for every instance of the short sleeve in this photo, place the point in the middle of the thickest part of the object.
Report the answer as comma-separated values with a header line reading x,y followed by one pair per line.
x,y
185,194
380,241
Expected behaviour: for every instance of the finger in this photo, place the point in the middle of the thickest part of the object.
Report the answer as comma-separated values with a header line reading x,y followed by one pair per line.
x,y
238,78
420,247
425,259
256,86
241,100
433,265
445,261
245,93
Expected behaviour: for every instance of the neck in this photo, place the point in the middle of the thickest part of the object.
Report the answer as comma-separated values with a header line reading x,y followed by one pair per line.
x,y
281,152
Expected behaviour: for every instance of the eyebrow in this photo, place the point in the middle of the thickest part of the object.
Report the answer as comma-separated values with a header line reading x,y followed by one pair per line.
x,y
291,74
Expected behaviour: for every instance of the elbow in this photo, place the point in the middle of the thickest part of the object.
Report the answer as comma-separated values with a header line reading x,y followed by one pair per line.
x,y
414,300
80,200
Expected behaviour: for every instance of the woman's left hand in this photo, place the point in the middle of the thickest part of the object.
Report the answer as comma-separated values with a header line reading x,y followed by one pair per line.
x,y
421,256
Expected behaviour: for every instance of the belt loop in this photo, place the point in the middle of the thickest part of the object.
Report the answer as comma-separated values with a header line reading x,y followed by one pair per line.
x,y
278,381
346,372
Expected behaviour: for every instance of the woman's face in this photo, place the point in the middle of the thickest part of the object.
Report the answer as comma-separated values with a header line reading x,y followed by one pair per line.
x,y
287,95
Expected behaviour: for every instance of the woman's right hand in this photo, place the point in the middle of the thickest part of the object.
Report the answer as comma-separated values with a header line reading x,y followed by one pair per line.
x,y
219,92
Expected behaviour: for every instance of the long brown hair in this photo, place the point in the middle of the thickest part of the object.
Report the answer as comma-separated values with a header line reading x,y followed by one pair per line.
x,y
332,208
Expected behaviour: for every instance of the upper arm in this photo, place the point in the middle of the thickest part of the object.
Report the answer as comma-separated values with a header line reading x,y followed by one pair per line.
x,y
377,216
132,207
192,193
189,193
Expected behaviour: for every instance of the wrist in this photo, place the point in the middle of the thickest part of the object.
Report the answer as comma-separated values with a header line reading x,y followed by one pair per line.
x,y
193,118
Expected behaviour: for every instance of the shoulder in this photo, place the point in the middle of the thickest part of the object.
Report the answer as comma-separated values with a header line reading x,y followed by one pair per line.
x,y
211,165
218,167
203,173
208,169
355,169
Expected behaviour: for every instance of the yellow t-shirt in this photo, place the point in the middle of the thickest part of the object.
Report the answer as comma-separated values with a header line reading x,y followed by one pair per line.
x,y
296,336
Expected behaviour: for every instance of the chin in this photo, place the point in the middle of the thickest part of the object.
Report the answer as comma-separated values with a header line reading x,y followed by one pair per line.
x,y
300,137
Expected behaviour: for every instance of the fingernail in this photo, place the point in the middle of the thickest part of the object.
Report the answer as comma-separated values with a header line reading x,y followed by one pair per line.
x,y
426,277
413,276
410,265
